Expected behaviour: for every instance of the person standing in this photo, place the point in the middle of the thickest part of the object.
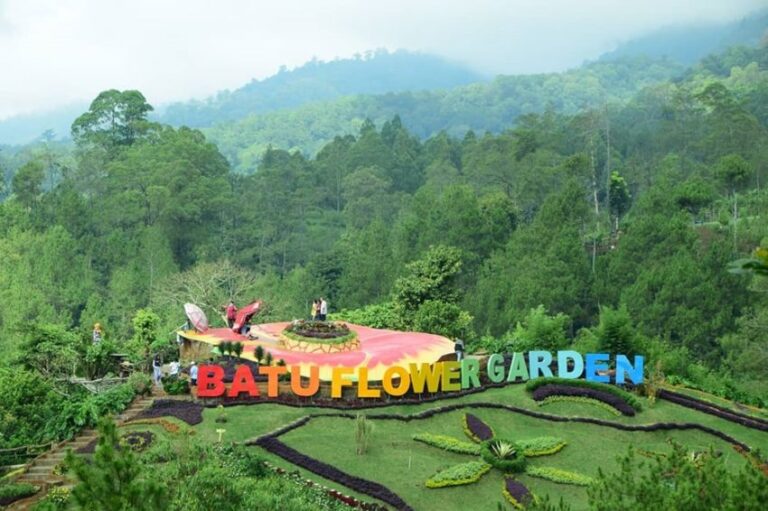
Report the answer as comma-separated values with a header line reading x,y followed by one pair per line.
x,y
323,309
174,369
314,311
193,373
98,334
231,313
458,347
157,369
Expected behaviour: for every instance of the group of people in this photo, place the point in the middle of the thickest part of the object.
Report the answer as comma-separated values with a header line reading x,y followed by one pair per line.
x,y
174,369
319,311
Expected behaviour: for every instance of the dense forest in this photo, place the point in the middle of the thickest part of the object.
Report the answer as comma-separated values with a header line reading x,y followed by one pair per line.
x,y
608,227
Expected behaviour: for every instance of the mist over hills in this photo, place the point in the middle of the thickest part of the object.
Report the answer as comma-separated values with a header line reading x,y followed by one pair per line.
x,y
405,83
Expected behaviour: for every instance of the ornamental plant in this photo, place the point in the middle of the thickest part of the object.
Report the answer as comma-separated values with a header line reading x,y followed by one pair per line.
x,y
503,454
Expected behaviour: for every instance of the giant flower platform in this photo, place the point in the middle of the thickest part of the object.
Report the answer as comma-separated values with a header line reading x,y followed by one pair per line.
x,y
374,348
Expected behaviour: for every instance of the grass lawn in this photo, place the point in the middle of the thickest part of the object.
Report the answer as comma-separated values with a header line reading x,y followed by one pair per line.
x,y
403,465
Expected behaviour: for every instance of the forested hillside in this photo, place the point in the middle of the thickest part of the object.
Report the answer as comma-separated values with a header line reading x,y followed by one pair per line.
x,y
376,72
621,218
492,106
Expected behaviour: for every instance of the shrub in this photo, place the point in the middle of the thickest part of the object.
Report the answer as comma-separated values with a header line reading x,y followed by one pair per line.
x,y
141,383
559,476
615,331
538,330
15,491
447,443
363,430
465,473
513,459
623,394
174,385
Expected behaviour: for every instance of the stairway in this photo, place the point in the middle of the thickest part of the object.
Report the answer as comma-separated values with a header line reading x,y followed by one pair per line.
x,y
40,470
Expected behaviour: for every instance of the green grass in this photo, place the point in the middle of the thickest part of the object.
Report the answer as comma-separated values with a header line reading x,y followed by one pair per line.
x,y
402,464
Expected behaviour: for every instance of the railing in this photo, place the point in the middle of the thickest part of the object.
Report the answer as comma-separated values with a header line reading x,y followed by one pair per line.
x,y
20,455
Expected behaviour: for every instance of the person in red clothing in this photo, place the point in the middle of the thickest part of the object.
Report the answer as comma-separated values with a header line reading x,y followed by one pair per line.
x,y
231,313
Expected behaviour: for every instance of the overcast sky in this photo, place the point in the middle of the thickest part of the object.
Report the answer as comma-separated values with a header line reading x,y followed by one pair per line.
x,y
57,52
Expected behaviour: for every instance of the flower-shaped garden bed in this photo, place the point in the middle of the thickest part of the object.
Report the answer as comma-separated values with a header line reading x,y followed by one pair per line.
x,y
508,456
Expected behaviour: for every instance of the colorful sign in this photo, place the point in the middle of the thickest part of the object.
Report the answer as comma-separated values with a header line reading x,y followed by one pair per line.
x,y
398,380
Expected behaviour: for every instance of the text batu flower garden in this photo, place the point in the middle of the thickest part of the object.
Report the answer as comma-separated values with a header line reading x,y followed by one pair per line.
x,y
417,378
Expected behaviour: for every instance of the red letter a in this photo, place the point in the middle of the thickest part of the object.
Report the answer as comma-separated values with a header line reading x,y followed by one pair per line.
x,y
243,382
210,381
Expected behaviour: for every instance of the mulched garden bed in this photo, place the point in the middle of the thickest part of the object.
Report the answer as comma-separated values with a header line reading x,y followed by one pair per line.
x,y
188,411
712,409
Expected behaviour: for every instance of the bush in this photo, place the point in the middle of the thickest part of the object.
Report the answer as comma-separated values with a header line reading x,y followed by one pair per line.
x,y
615,331
623,394
383,315
442,318
174,386
14,491
540,331
141,383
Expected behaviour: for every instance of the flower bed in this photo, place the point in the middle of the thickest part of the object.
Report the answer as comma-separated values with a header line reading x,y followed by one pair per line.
x,y
476,429
602,387
466,473
543,392
187,411
447,443
319,331
360,485
579,399
167,425
516,493
137,441
559,476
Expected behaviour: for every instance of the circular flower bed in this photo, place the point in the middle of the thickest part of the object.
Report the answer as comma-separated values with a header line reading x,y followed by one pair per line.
x,y
504,455
137,441
319,331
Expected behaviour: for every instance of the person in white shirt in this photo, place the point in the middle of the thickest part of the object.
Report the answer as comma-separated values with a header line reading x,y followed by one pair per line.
x,y
323,309
174,369
193,373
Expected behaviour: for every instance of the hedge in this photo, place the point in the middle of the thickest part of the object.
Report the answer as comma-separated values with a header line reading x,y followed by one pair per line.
x,y
447,443
623,394
465,473
712,409
559,476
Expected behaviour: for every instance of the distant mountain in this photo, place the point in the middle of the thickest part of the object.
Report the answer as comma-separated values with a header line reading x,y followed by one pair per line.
x,y
23,129
376,72
688,44
492,106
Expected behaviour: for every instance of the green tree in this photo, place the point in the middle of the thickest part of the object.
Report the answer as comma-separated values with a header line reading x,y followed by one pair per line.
x,y
541,331
615,332
678,480
431,277
27,183
115,479
114,119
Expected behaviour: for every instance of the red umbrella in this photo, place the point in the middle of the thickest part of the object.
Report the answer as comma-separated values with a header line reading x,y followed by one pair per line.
x,y
245,313
196,317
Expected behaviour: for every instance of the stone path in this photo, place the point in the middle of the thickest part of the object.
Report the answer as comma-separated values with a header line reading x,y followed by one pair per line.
x,y
40,471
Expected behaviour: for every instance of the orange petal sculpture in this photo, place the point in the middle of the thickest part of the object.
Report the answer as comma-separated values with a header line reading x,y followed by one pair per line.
x,y
374,348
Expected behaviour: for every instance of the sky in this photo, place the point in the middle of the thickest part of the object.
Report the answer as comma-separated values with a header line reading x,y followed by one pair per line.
x,y
59,52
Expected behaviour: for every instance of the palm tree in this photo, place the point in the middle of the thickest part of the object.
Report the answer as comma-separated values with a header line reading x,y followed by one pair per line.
x,y
259,354
237,348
